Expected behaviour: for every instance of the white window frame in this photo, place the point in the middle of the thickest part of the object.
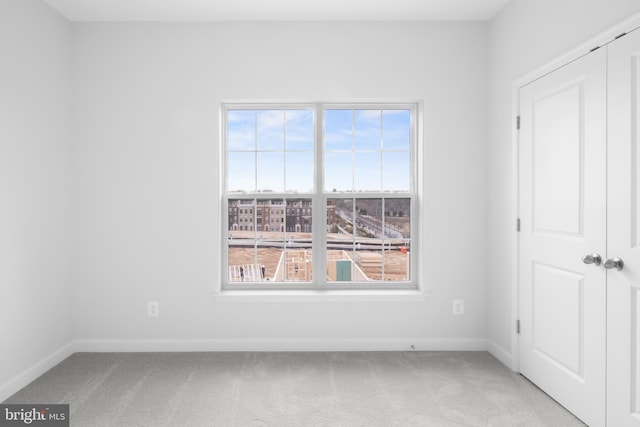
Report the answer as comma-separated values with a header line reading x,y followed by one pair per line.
x,y
319,198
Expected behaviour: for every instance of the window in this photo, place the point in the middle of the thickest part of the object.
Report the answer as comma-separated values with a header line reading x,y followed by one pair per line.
x,y
319,196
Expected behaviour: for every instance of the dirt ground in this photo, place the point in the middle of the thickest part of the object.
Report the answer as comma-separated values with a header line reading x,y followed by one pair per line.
x,y
395,267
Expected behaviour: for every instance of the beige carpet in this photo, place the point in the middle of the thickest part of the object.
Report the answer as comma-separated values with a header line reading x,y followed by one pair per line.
x,y
294,389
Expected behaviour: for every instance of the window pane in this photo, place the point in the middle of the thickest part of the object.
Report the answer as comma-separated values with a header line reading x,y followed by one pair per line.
x,y
297,262
338,130
338,171
260,248
340,240
241,130
239,258
397,129
299,130
270,172
271,130
367,134
367,172
397,220
397,264
339,221
298,241
368,248
397,214
369,218
269,238
396,171
241,242
368,240
299,171
270,220
246,218
241,172
267,264
298,218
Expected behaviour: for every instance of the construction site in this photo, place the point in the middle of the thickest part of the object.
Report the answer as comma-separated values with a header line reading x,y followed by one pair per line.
x,y
270,240
268,261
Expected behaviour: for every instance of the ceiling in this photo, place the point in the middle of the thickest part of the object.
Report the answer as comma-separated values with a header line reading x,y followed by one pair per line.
x,y
277,10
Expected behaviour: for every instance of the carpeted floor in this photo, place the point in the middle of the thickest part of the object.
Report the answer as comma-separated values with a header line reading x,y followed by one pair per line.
x,y
294,389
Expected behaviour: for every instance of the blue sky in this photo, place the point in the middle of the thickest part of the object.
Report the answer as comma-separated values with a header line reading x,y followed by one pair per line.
x,y
365,150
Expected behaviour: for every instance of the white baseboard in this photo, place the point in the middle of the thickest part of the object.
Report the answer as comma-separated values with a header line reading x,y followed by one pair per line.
x,y
501,354
281,345
30,374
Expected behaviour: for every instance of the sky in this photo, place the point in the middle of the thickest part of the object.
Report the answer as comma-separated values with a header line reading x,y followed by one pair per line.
x,y
364,150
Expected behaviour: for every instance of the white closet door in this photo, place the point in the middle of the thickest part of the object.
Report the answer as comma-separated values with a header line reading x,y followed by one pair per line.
x,y
623,223
562,188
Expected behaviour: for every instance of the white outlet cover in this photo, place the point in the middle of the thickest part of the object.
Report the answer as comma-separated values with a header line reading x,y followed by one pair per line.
x,y
153,308
458,307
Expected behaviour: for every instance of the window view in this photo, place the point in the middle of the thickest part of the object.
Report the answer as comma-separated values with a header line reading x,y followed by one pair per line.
x,y
270,151
269,240
367,150
368,239
277,201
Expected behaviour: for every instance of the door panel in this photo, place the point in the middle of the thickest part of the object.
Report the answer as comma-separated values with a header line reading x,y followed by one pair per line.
x,y
558,316
635,354
562,187
556,165
623,224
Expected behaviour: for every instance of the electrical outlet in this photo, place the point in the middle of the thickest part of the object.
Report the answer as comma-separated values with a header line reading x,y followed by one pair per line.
x,y
458,307
153,308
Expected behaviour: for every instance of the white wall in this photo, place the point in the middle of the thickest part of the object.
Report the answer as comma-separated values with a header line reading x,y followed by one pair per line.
x,y
144,172
144,177
523,36
35,224
146,100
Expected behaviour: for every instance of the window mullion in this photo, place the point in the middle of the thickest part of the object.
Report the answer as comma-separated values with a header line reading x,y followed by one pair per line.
x,y
319,241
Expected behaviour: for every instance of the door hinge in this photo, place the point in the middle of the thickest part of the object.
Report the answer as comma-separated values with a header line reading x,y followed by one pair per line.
x,y
518,327
518,122
518,225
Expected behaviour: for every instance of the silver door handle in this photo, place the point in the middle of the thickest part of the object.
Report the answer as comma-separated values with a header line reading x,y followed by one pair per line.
x,y
592,259
614,263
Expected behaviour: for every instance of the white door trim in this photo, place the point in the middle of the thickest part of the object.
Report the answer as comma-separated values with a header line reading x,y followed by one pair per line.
x,y
602,39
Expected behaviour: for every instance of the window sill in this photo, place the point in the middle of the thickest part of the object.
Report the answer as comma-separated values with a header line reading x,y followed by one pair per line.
x,y
320,296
